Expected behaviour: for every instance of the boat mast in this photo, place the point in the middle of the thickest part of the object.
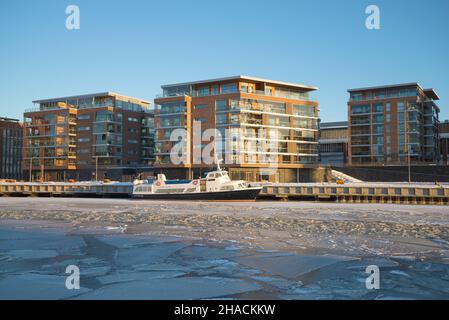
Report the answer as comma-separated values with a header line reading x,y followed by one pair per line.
x,y
215,155
217,161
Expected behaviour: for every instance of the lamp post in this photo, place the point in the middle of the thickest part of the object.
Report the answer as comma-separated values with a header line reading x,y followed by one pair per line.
x,y
96,168
406,141
31,168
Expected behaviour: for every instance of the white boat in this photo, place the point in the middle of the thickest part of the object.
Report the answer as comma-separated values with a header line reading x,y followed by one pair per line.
x,y
216,186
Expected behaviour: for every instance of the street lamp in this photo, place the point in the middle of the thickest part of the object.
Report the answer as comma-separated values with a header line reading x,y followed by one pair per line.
x,y
31,165
406,140
96,168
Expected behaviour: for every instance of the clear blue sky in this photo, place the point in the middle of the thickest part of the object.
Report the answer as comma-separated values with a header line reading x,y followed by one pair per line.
x,y
133,47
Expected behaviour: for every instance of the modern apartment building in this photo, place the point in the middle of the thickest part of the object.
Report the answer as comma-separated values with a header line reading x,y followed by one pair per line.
x,y
389,124
269,129
11,132
444,142
86,137
333,143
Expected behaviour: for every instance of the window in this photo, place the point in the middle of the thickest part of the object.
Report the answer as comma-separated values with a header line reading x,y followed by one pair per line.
x,y
203,91
83,128
378,118
84,117
131,119
83,139
302,110
360,109
221,105
377,108
200,106
380,95
221,118
228,88
171,107
132,141
83,151
102,116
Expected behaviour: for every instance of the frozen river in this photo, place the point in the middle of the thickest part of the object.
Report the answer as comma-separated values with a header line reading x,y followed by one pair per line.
x,y
266,250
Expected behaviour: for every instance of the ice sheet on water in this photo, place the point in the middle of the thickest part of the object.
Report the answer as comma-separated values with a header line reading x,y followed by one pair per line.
x,y
175,288
400,273
37,286
32,254
149,255
126,241
201,252
381,262
165,267
138,276
24,240
289,265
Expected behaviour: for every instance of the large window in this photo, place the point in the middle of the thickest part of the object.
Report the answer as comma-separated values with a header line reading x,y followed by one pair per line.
x,y
104,116
203,91
306,111
378,108
221,105
228,88
171,107
360,109
221,118
200,106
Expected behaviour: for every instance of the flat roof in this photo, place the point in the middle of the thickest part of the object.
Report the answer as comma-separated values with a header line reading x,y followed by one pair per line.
x,y
107,93
242,77
9,119
334,125
431,94
400,85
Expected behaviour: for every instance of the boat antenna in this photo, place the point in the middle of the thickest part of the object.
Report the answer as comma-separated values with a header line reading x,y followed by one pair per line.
x,y
217,161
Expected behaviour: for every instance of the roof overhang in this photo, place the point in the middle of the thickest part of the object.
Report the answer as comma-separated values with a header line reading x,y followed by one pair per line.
x,y
401,85
241,77
431,94
91,95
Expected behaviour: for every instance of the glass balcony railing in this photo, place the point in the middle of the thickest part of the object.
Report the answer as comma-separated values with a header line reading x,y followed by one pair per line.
x,y
287,95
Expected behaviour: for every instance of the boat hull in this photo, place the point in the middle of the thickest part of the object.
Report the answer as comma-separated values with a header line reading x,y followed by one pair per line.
x,y
235,195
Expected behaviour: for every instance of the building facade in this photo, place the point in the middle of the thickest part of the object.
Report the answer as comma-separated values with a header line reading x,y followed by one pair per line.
x,y
444,142
268,129
333,143
392,125
11,133
86,137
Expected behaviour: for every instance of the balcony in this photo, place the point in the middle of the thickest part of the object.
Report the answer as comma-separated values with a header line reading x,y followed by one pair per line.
x,y
286,95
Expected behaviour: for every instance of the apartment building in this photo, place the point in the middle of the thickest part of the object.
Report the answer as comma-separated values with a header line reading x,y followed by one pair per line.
x,y
11,132
268,129
87,137
390,125
333,143
444,142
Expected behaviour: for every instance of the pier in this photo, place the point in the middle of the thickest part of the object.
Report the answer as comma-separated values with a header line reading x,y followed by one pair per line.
x,y
66,189
397,193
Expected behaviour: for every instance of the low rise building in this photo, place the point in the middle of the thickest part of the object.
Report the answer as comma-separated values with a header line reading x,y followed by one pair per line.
x,y
333,143
11,133
393,125
269,128
86,137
